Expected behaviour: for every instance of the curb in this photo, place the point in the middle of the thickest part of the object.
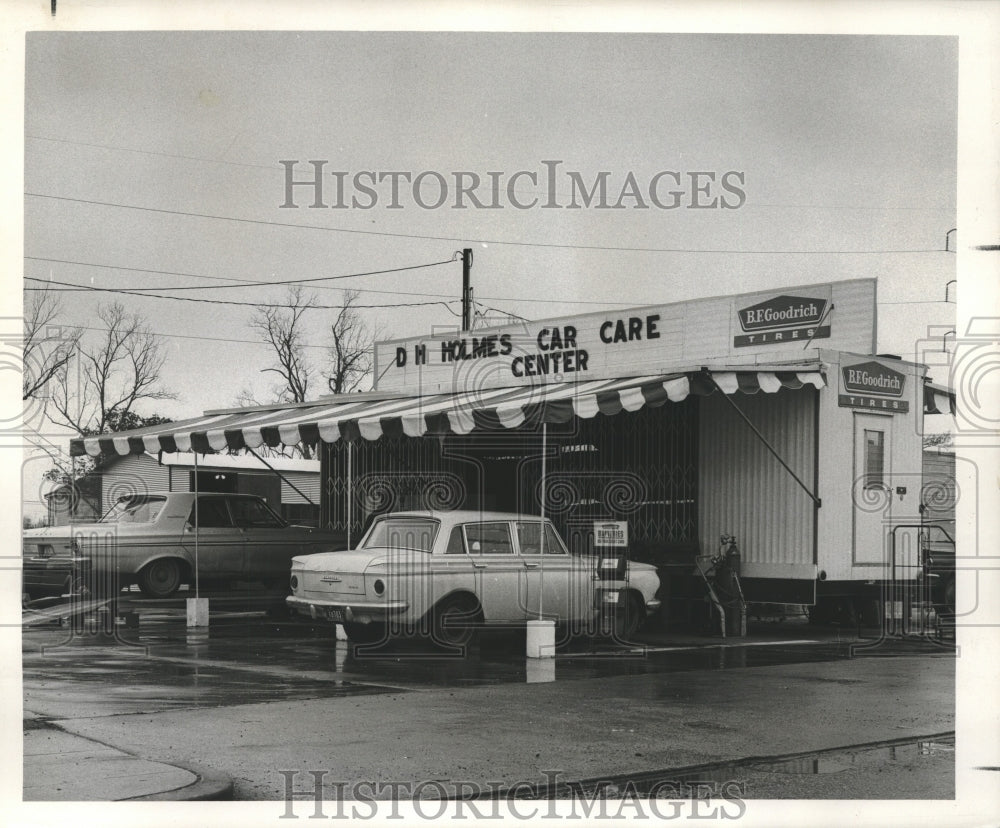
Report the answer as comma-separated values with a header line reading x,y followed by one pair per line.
x,y
210,786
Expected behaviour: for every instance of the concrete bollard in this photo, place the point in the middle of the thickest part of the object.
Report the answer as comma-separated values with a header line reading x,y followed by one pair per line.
x,y
539,670
197,612
541,639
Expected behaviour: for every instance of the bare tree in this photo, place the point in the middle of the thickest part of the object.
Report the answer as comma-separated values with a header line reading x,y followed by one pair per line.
x,y
120,370
47,345
284,329
350,349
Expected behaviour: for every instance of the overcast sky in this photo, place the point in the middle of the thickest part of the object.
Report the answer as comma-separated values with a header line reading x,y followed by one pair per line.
x,y
844,144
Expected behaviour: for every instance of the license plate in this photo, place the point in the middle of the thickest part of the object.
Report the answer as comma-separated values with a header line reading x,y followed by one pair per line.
x,y
335,615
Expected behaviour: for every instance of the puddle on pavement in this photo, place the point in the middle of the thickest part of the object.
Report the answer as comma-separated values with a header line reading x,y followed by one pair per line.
x,y
669,782
290,648
866,757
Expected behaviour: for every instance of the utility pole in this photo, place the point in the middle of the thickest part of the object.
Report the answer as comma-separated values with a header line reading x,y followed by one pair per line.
x,y
466,289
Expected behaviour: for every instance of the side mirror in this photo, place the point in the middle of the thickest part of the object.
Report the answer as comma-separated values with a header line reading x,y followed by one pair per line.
x,y
188,527
475,546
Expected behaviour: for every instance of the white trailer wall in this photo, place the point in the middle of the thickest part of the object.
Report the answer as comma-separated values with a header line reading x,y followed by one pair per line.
x,y
744,491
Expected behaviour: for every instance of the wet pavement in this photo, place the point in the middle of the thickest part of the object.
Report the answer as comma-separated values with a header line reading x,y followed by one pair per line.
x,y
921,769
247,657
253,695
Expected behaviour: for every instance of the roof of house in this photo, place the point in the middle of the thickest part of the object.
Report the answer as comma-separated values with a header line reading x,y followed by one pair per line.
x,y
244,462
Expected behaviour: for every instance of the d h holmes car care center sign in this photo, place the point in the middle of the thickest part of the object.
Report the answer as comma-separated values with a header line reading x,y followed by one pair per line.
x,y
654,339
873,386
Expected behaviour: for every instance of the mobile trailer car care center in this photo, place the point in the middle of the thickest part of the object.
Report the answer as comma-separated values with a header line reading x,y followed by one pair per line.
x,y
766,416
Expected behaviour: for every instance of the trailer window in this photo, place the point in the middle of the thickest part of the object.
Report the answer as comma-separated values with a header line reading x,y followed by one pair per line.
x,y
874,459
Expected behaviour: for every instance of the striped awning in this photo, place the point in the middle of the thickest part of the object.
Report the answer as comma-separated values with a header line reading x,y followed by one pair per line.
x,y
455,413
938,399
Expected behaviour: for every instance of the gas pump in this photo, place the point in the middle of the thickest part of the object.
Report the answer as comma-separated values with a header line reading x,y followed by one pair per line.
x,y
721,574
611,575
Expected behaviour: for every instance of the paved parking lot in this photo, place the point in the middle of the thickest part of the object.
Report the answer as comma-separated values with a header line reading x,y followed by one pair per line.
x,y
253,696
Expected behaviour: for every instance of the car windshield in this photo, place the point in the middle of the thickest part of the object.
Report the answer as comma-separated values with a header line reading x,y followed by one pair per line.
x,y
135,509
402,533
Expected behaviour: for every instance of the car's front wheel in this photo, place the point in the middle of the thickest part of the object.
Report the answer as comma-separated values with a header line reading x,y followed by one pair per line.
x,y
949,595
160,579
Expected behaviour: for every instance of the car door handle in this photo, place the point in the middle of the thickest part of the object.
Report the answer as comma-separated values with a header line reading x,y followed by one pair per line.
x,y
479,565
531,564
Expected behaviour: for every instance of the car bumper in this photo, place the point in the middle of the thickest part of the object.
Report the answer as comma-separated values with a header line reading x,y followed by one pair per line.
x,y
653,606
349,611
52,574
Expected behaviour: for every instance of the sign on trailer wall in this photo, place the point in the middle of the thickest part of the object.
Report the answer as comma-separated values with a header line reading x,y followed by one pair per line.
x,y
872,386
769,327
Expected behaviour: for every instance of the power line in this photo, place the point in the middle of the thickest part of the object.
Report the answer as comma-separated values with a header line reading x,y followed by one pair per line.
x,y
552,245
918,302
256,283
224,287
153,152
80,288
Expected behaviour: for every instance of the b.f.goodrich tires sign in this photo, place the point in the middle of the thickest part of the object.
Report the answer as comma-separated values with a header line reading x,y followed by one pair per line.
x,y
873,386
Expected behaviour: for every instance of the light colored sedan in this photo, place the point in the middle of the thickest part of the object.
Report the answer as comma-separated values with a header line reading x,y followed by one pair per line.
x,y
155,539
449,573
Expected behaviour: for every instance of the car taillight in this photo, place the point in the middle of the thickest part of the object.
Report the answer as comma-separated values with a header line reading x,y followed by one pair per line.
x,y
379,586
294,582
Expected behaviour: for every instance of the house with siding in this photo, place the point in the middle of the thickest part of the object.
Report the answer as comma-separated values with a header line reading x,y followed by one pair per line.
x,y
291,486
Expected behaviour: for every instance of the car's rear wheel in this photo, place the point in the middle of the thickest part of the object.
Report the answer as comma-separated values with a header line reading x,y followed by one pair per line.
x,y
160,579
365,633
454,621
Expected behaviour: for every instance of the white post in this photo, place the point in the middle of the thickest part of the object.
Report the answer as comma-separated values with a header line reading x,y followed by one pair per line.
x,y
541,633
197,607
541,545
350,492
197,527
